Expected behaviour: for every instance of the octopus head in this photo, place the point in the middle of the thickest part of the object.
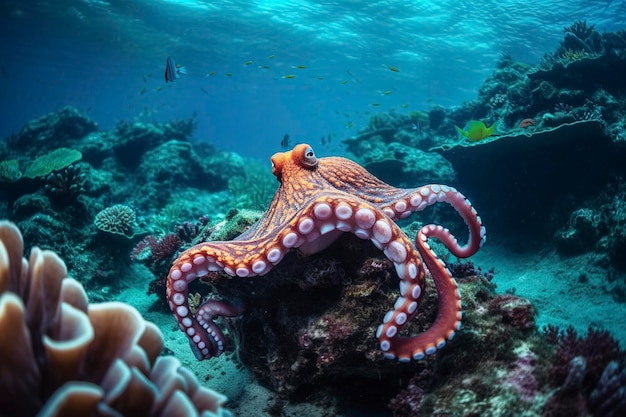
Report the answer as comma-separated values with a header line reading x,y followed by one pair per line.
x,y
301,156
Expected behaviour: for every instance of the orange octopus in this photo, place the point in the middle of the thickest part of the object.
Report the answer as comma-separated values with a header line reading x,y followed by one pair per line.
x,y
317,200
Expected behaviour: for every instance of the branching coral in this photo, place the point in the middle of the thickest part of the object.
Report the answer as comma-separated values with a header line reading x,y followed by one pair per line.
x,y
156,253
580,36
65,185
598,348
61,356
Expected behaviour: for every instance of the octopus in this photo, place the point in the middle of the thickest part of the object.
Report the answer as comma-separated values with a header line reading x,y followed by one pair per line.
x,y
317,200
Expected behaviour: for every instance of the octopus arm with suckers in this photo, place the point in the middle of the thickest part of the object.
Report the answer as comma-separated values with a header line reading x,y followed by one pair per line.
x,y
317,200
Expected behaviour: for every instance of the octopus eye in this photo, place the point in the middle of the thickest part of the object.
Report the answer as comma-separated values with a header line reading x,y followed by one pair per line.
x,y
309,158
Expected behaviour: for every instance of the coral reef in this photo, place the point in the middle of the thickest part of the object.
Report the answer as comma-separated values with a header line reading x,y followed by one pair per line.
x,y
552,108
63,128
55,199
62,356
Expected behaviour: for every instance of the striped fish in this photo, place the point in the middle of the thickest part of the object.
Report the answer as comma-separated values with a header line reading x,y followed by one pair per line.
x,y
172,70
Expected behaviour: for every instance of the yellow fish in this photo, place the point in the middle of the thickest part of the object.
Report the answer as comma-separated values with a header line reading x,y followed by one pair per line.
x,y
289,76
392,68
476,130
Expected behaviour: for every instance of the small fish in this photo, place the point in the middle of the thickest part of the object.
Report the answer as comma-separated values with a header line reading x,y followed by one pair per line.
x,y
149,75
386,93
228,74
319,77
204,91
429,100
264,66
210,74
298,66
271,56
289,76
285,142
159,88
417,126
375,104
405,105
344,82
248,62
143,90
172,70
392,68
476,130
349,125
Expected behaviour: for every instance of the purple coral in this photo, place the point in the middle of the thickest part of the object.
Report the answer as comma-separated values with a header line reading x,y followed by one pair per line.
x,y
608,399
582,365
467,269
155,252
521,377
569,400
598,348
409,401
188,231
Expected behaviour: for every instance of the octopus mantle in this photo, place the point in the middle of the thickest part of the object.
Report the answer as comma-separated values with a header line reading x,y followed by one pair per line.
x,y
317,201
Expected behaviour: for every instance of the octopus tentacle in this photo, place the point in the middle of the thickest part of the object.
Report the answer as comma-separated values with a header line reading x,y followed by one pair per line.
x,y
240,258
422,197
205,315
448,320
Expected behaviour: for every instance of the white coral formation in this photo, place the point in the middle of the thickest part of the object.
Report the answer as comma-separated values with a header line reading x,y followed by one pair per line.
x,y
61,356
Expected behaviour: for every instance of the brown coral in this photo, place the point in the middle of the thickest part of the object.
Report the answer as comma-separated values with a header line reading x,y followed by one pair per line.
x,y
60,356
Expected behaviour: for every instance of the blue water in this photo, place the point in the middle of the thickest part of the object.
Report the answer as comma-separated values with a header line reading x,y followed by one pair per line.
x,y
108,59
